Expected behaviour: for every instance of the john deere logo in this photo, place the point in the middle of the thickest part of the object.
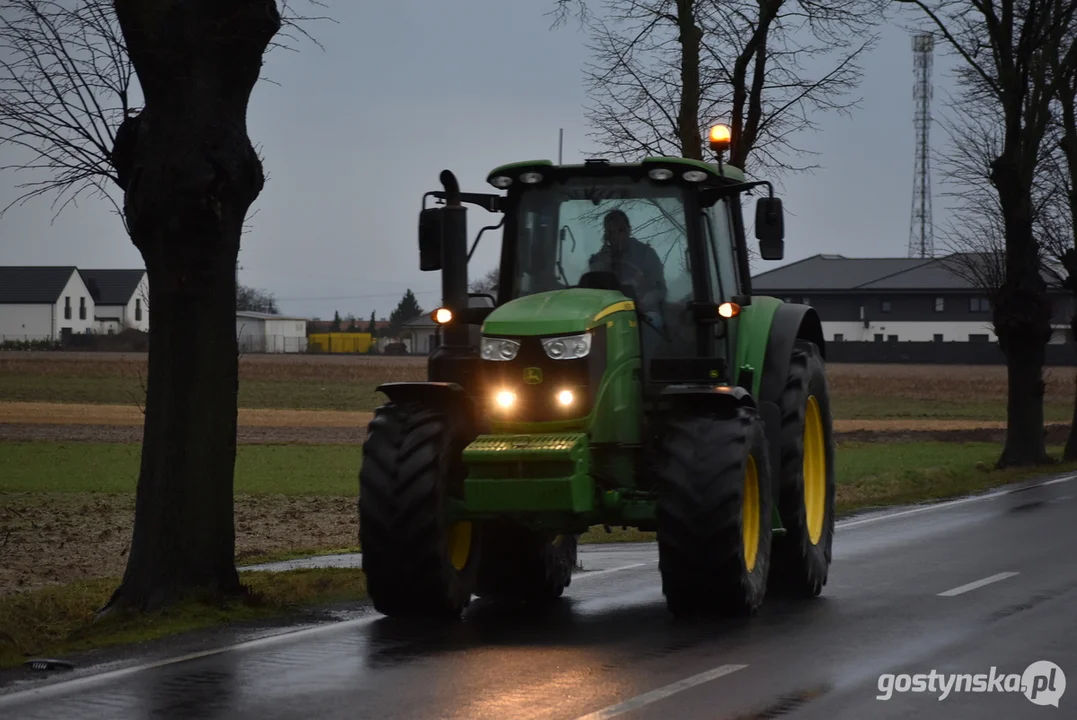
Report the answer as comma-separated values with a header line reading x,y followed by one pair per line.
x,y
532,375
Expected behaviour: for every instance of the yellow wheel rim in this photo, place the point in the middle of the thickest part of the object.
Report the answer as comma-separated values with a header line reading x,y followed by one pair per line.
x,y
814,470
750,514
459,542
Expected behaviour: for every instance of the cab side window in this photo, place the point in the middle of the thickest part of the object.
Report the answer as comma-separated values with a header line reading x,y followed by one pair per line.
x,y
722,260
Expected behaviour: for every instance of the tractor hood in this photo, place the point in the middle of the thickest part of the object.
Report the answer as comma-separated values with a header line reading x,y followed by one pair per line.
x,y
556,312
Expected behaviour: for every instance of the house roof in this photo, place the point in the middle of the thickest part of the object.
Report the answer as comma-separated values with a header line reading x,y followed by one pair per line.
x,y
829,273
34,285
251,314
112,287
423,321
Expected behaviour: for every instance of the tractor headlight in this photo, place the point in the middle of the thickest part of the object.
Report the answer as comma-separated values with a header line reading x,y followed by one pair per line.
x,y
571,347
500,349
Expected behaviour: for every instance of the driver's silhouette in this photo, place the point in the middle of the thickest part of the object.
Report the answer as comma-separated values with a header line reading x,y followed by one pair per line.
x,y
633,262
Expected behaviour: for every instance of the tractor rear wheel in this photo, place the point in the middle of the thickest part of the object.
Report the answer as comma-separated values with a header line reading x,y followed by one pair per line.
x,y
801,557
715,505
415,561
525,565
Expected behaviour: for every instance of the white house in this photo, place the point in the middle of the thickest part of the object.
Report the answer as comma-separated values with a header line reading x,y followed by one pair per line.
x,y
39,303
267,333
897,299
121,299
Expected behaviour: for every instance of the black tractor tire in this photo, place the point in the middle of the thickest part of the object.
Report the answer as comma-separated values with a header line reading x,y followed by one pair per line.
x,y
801,557
702,465
411,467
524,565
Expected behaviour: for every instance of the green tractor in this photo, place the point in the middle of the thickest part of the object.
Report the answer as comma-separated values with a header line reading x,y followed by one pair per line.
x,y
623,375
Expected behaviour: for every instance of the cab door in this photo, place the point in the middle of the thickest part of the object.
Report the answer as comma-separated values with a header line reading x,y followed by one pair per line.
x,y
722,273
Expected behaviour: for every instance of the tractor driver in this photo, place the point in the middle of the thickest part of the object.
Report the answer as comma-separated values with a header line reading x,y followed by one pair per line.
x,y
633,262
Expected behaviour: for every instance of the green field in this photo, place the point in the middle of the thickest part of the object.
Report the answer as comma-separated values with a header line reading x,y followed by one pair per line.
x,y
868,474
298,470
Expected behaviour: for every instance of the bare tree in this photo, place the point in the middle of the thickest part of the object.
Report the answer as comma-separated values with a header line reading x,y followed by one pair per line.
x,y
487,283
188,173
1007,50
255,300
66,84
1059,222
665,70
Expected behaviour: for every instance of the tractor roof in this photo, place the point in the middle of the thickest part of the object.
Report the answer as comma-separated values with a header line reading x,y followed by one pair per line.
x,y
727,173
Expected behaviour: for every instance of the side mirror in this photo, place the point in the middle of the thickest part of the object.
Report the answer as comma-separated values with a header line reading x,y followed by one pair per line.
x,y
430,225
481,300
770,228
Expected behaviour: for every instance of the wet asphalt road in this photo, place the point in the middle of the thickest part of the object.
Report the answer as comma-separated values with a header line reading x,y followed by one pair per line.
x,y
611,650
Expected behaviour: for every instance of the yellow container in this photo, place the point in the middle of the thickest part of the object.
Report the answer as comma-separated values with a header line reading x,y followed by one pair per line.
x,y
340,342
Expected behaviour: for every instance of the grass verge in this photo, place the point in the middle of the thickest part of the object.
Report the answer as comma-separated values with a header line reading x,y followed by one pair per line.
x,y
881,475
60,620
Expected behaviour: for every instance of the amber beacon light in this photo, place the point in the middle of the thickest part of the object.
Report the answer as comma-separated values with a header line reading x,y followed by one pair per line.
x,y
720,137
442,316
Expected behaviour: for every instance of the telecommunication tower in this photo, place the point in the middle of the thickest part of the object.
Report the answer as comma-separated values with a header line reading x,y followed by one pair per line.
x,y
921,233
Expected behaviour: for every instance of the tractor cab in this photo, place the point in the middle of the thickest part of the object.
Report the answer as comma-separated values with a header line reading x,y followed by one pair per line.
x,y
663,237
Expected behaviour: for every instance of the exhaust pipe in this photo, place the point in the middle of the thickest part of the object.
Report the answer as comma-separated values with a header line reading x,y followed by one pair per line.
x,y
454,292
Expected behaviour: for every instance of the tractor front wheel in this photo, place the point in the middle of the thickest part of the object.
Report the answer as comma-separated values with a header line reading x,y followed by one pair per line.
x,y
714,513
525,565
801,558
416,562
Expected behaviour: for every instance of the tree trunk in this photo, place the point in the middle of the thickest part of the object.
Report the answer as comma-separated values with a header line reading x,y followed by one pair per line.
x,y
190,174
1069,452
1069,259
1022,319
691,38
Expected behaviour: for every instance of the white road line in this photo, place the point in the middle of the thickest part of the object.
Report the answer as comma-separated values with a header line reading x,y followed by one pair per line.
x,y
1060,480
593,573
74,683
661,693
978,584
97,678
948,504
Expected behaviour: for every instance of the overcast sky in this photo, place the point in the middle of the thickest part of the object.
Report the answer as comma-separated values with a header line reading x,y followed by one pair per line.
x,y
353,135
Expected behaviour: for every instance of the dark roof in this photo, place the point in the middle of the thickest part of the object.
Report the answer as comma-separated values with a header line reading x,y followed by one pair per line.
x,y
831,272
823,273
112,287
33,285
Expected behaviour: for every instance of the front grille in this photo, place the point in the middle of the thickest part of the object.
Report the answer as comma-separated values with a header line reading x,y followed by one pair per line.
x,y
537,401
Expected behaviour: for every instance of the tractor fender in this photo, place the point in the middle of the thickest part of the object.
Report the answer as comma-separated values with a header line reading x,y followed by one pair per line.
x,y
723,400
448,396
791,322
437,394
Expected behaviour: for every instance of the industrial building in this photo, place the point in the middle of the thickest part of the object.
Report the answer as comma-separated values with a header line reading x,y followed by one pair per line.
x,y
259,332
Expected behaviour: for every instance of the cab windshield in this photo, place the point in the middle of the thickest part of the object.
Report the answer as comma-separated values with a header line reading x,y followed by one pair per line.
x,y
635,230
